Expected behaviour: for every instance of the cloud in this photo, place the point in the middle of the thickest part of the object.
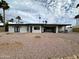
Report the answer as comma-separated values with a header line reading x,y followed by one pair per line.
x,y
30,10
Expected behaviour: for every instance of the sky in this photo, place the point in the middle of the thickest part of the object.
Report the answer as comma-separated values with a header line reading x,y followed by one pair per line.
x,y
54,11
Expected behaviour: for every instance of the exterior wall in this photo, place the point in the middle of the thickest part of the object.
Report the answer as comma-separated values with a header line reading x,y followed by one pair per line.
x,y
57,29
11,29
42,29
23,29
36,31
77,21
62,29
2,29
70,29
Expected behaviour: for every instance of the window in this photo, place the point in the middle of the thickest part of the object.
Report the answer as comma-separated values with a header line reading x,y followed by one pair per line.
x,y
36,28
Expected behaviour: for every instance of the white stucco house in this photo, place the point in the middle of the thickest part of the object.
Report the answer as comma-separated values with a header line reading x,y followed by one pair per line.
x,y
37,28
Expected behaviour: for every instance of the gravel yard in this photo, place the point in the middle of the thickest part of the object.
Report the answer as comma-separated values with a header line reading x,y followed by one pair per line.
x,y
38,46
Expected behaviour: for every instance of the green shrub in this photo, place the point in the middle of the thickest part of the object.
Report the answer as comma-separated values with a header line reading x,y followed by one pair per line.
x,y
75,29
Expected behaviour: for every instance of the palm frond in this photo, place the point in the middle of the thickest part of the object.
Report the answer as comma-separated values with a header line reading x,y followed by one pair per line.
x,y
18,17
76,17
5,5
77,6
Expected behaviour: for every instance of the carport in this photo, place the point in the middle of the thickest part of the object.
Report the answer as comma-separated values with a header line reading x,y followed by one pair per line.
x,y
50,29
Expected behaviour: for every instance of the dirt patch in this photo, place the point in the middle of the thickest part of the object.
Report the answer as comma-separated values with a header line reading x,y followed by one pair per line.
x,y
39,46
9,33
37,36
11,45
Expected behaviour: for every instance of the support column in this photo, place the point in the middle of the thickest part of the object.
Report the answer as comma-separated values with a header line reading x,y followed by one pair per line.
x,y
64,28
56,29
29,29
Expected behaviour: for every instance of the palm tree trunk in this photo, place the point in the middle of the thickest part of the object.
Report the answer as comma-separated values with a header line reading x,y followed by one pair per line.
x,y
4,19
4,15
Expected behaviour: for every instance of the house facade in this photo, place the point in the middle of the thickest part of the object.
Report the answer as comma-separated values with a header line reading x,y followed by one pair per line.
x,y
37,28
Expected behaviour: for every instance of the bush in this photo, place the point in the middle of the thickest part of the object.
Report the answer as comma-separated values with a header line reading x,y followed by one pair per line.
x,y
75,29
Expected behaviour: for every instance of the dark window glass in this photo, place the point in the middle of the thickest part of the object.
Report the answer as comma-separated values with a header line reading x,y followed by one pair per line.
x,y
36,28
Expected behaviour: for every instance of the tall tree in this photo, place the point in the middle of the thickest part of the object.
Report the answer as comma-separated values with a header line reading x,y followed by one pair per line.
x,y
77,16
4,5
11,20
18,18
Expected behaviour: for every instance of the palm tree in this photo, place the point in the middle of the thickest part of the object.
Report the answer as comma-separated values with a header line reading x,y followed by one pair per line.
x,y
45,21
1,18
11,20
4,5
77,6
18,18
77,16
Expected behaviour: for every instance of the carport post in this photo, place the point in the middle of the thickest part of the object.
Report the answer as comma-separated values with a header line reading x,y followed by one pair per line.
x,y
56,29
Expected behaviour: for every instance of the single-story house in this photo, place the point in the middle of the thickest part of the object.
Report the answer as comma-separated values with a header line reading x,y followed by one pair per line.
x,y
37,28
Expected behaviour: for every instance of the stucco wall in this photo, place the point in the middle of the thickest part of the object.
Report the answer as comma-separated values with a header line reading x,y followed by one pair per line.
x,y
23,29
62,28
11,29
42,29
2,29
36,31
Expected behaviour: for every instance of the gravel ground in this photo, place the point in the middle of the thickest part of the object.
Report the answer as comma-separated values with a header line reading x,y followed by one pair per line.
x,y
38,46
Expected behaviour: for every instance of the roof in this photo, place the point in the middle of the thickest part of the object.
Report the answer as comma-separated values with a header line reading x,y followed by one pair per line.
x,y
39,24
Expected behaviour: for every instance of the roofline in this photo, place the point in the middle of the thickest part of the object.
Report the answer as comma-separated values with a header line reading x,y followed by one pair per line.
x,y
41,24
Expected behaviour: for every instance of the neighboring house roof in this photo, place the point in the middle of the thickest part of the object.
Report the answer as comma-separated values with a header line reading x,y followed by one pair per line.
x,y
39,24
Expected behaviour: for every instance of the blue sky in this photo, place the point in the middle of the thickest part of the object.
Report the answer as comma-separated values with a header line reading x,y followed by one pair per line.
x,y
30,10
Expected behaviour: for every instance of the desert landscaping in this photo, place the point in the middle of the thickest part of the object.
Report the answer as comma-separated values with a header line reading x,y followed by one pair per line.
x,y
39,46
